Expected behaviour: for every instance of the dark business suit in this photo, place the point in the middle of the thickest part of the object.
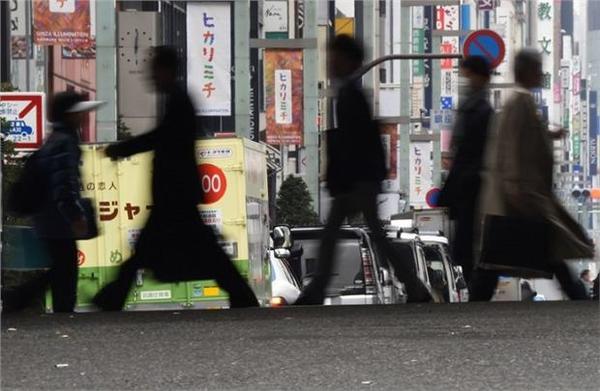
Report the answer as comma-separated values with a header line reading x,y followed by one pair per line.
x,y
462,188
175,244
355,168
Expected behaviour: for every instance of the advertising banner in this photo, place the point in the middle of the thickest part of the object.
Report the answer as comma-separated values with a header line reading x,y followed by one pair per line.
x,y
421,172
275,16
593,124
545,16
61,22
284,92
389,137
209,57
21,47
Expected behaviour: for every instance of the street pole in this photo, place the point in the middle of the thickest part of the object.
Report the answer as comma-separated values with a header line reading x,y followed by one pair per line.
x,y
106,71
241,19
404,138
311,97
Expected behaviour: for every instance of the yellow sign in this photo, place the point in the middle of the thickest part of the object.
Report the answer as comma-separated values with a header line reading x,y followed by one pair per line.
x,y
344,26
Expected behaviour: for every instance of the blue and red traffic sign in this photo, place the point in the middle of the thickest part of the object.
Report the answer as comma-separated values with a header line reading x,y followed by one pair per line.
x,y
432,196
485,43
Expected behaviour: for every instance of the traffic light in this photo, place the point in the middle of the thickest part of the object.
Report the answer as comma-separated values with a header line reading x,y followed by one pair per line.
x,y
584,194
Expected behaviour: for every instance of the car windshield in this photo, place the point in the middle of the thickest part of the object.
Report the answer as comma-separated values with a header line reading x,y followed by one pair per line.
x,y
405,251
434,258
348,264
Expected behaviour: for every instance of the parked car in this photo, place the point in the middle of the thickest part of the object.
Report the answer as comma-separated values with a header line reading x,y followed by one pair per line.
x,y
360,276
412,251
446,277
285,289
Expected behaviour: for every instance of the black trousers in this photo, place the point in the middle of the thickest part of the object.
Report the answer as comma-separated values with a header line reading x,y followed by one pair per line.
x,y
61,278
462,246
177,246
484,282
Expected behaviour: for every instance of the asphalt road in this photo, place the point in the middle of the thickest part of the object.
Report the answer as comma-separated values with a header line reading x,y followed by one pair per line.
x,y
494,346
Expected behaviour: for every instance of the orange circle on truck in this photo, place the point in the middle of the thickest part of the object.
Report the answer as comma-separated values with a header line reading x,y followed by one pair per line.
x,y
213,182
80,257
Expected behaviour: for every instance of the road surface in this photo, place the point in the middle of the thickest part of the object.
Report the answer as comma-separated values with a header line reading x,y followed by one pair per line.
x,y
491,346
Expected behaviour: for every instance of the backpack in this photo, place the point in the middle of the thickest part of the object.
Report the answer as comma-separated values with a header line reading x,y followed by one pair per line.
x,y
25,197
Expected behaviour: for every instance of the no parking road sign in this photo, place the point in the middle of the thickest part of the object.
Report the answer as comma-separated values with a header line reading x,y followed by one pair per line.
x,y
485,43
23,118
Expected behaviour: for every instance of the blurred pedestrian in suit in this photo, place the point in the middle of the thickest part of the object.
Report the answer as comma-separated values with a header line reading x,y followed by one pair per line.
x,y
461,191
526,230
61,216
175,244
355,168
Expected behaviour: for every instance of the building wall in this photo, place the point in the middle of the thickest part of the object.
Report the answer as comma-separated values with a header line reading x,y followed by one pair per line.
x,y
78,75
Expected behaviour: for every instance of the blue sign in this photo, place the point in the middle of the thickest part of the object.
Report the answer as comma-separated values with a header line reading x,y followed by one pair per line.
x,y
446,102
485,43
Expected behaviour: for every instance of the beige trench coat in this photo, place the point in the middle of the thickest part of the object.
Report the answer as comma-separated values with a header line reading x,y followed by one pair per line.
x,y
517,179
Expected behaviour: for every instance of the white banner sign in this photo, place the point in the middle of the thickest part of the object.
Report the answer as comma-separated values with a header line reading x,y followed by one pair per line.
x,y
209,57
275,16
421,173
283,96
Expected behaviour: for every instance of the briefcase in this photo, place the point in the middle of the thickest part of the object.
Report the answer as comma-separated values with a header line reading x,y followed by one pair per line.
x,y
517,246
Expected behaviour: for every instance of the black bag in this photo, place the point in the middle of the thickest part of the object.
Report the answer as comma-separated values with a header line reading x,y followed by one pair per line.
x,y
28,193
517,246
89,213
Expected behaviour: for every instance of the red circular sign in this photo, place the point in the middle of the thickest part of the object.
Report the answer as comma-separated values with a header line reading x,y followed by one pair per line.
x,y
80,258
485,43
213,181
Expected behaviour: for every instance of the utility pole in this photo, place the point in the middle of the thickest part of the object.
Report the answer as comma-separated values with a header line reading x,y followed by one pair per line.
x,y
311,97
5,41
241,20
106,71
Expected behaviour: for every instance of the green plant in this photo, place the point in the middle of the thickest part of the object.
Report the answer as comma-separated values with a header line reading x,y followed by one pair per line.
x,y
12,166
8,87
294,205
123,131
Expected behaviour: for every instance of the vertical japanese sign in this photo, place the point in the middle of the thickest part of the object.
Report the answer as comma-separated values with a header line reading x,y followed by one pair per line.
x,y
544,10
389,138
421,172
254,131
418,40
593,124
428,21
447,18
209,57
284,92
61,22
283,96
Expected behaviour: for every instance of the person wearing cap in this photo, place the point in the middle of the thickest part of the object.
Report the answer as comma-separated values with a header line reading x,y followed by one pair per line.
x,y
61,218
175,244
469,137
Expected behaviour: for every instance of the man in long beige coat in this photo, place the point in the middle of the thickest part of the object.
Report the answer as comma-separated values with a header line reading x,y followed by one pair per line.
x,y
518,182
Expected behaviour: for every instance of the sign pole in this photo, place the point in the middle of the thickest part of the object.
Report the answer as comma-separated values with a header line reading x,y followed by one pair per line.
x,y
311,97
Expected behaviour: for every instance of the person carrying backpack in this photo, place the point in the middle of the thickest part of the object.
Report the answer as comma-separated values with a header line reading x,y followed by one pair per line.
x,y
59,213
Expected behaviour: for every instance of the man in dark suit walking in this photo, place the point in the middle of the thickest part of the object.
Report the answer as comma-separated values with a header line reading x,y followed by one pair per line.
x,y
356,167
469,137
174,244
